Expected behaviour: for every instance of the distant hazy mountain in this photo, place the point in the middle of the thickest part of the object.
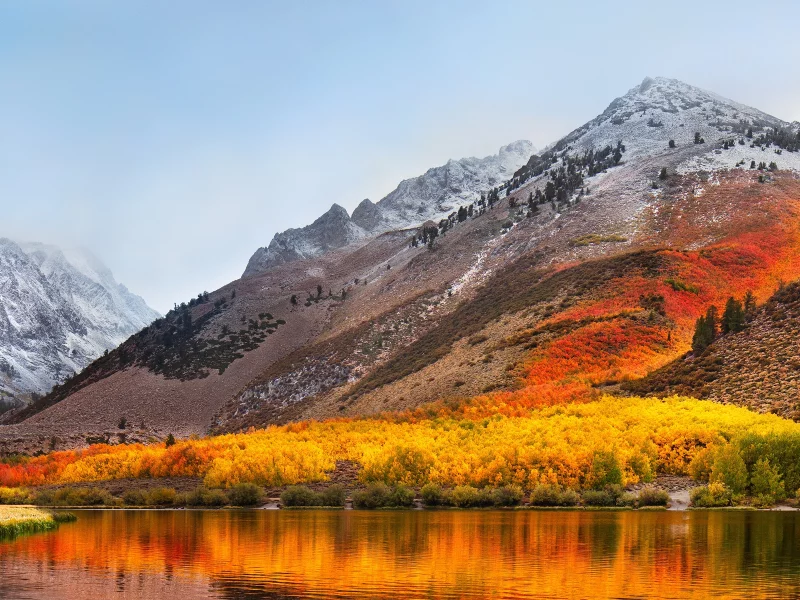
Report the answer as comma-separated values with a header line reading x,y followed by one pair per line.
x,y
59,310
430,196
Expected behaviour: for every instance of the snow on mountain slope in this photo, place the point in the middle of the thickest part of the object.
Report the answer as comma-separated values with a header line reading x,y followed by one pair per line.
x,y
663,124
429,196
662,108
58,312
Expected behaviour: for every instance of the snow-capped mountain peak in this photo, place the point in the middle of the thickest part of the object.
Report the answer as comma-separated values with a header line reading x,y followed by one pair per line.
x,y
59,310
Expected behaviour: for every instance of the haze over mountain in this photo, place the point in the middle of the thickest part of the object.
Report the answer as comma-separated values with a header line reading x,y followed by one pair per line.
x,y
59,310
463,280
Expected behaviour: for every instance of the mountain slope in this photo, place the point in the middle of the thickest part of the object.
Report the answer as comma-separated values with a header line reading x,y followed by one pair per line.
x,y
585,268
758,367
58,312
429,196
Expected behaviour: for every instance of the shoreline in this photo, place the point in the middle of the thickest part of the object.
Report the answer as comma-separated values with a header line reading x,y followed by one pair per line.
x,y
21,520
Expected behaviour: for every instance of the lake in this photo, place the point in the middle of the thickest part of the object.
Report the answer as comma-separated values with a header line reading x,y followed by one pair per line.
x,y
186,554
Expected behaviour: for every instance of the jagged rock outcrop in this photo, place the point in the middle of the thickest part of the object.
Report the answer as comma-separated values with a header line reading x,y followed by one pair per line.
x,y
332,230
368,215
59,310
430,196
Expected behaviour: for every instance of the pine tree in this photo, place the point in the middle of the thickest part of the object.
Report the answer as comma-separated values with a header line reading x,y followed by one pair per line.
x,y
700,338
712,322
705,330
749,306
733,317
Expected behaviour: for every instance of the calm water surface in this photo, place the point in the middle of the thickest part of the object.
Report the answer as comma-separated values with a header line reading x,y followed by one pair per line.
x,y
408,554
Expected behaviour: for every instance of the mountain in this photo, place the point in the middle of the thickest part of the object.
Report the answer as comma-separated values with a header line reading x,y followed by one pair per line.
x,y
429,196
584,269
59,310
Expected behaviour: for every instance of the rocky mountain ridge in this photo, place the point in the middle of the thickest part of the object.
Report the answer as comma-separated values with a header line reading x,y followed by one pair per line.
x,y
430,196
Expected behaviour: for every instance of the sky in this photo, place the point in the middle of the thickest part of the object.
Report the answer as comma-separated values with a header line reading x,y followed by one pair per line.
x,y
172,139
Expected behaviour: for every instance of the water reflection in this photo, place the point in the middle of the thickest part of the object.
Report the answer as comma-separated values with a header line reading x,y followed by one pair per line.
x,y
409,554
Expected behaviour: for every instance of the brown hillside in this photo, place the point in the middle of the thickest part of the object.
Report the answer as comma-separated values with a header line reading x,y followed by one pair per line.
x,y
758,367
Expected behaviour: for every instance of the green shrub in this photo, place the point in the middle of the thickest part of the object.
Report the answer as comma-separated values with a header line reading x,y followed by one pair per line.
x,y
729,468
433,495
64,517
627,499
463,496
767,485
711,495
606,470
782,450
553,495
376,495
334,495
14,496
299,495
380,495
651,496
508,495
401,496
202,496
598,498
134,498
700,467
245,494
608,495
466,496
161,496
681,286
74,497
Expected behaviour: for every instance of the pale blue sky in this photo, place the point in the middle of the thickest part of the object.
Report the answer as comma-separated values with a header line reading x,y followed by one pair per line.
x,y
174,138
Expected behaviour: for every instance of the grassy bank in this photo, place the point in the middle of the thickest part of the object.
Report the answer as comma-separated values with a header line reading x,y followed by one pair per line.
x,y
19,520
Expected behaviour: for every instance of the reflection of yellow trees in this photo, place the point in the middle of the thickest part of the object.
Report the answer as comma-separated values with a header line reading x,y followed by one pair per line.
x,y
552,444
432,554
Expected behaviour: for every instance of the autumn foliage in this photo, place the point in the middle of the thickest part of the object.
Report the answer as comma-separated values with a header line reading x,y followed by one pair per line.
x,y
559,444
551,429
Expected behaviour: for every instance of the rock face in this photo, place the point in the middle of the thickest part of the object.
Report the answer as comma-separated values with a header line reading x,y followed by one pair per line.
x,y
59,310
430,196
368,215
332,230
